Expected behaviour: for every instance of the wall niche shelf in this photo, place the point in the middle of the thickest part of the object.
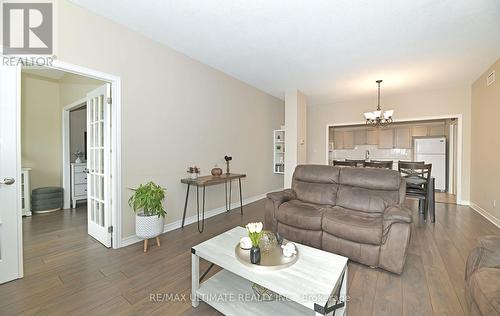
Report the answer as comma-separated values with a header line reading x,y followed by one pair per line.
x,y
279,151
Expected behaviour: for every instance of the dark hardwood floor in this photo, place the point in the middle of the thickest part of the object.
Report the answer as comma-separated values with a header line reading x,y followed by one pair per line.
x,y
67,272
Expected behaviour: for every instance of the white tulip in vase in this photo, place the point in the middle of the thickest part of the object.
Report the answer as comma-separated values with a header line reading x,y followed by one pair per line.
x,y
255,233
147,203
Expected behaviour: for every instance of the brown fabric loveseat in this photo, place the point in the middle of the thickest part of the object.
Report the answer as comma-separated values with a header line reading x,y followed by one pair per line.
x,y
482,278
354,212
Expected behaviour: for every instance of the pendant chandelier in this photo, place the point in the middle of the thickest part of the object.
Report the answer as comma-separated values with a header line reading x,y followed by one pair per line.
x,y
378,118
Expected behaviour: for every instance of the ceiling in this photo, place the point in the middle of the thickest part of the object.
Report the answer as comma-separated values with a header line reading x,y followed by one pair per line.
x,y
44,72
330,50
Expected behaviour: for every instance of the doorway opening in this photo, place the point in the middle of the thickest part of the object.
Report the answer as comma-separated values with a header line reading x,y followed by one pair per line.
x,y
434,140
65,159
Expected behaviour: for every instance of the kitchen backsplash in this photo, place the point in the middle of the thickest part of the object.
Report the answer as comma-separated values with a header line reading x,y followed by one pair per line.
x,y
359,152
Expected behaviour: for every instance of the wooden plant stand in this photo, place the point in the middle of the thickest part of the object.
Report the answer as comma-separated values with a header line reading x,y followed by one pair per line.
x,y
146,243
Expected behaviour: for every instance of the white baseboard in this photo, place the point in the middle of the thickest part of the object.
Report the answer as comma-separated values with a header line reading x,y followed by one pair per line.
x,y
192,219
490,217
463,202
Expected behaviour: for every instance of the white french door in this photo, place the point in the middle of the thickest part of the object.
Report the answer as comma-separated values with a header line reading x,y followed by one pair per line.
x,y
98,165
10,171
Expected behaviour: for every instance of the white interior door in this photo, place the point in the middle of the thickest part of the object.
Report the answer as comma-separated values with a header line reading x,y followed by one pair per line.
x,y
98,165
11,250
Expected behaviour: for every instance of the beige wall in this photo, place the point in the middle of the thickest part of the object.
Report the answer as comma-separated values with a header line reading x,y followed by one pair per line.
x,y
42,100
75,87
175,112
295,133
485,141
41,130
417,105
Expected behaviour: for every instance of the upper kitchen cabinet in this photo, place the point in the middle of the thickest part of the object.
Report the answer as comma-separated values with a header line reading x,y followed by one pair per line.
x,y
360,137
418,131
436,130
403,138
386,138
338,140
348,139
372,137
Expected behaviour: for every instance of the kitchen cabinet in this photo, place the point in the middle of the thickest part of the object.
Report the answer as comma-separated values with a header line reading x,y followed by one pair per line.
x,y
419,131
360,137
386,138
403,137
372,137
338,140
436,130
348,139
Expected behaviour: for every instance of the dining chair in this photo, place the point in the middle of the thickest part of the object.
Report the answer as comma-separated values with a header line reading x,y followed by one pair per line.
x,y
418,185
341,163
359,162
378,164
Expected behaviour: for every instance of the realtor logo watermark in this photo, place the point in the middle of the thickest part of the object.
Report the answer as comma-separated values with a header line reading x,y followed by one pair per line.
x,y
27,32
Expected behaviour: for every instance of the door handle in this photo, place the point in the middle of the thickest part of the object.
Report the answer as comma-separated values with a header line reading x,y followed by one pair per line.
x,y
86,170
8,181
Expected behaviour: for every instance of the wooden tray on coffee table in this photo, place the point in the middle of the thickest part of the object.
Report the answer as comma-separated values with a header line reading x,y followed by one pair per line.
x,y
270,260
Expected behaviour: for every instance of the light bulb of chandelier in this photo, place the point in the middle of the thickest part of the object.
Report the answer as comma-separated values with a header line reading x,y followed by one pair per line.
x,y
388,114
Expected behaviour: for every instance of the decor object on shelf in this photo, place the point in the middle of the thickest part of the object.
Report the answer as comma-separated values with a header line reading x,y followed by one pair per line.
x,y
194,171
227,159
147,202
216,171
255,233
289,249
264,294
377,118
78,154
245,243
268,241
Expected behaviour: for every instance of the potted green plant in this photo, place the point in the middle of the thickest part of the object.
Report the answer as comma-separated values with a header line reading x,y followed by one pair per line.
x,y
147,203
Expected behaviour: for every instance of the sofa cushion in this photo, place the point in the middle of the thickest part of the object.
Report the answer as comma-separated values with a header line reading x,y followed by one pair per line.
x,y
353,225
316,184
366,200
303,236
301,215
371,178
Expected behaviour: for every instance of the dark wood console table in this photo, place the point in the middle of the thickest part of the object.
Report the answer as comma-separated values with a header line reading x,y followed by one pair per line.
x,y
205,181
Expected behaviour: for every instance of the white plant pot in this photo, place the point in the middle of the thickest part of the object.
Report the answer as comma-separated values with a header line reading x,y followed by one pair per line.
x,y
148,226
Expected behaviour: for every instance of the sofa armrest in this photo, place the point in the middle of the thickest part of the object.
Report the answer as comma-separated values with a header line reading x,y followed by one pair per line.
x,y
396,238
273,202
281,196
397,214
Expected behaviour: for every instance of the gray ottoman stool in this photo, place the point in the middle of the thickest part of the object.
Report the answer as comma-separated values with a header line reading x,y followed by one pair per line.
x,y
46,199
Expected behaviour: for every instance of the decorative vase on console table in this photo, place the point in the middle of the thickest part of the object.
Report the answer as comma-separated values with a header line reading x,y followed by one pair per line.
x,y
227,159
216,171
194,172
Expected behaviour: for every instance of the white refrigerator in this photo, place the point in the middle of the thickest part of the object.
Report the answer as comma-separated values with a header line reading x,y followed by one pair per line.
x,y
432,150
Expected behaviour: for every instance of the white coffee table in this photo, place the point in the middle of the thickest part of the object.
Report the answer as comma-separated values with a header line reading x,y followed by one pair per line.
x,y
311,285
